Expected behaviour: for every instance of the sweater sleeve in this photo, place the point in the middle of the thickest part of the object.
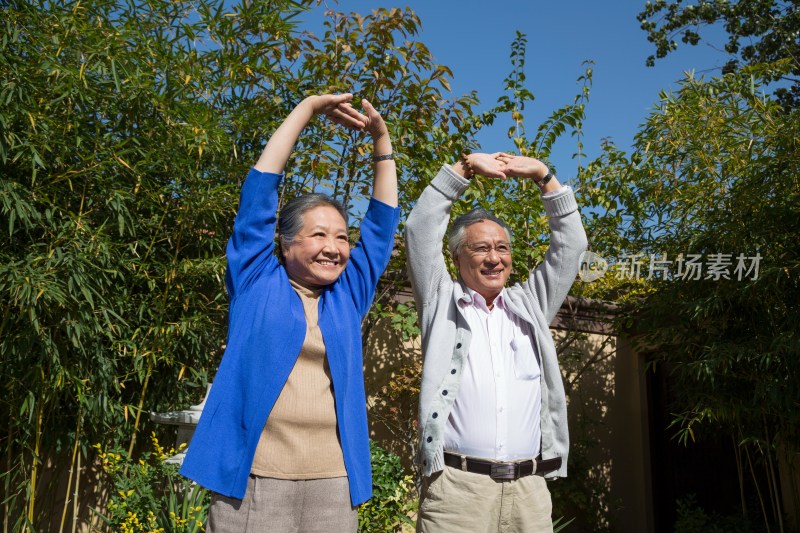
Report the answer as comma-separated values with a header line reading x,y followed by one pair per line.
x,y
425,229
250,248
372,252
551,280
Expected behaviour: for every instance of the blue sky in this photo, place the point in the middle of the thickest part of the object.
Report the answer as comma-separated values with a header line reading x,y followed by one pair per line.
x,y
474,38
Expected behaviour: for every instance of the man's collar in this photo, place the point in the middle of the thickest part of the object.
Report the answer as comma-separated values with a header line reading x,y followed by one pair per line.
x,y
471,297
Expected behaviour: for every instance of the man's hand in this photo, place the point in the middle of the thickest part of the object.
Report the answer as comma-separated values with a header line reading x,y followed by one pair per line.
x,y
519,166
488,165
483,164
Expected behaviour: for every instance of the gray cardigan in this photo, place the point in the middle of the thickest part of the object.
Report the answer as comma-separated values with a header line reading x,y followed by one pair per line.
x,y
445,334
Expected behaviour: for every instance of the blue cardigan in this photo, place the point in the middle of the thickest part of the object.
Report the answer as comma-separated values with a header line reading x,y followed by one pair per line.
x,y
266,329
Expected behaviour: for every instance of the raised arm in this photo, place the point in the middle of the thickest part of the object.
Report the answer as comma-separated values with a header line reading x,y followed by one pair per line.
x,y
384,187
551,280
251,245
336,106
427,225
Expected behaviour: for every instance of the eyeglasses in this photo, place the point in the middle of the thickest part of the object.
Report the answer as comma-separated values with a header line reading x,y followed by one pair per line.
x,y
484,248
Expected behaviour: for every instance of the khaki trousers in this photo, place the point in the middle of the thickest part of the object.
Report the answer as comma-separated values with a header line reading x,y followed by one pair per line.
x,y
285,506
454,501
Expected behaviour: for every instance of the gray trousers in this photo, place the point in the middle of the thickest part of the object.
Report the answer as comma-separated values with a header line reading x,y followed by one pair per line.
x,y
286,506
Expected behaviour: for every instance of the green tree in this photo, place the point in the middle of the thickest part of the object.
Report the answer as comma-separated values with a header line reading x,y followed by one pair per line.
x,y
375,56
125,131
758,32
120,143
715,173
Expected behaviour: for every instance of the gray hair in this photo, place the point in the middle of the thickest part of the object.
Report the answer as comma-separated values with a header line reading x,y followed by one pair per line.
x,y
291,218
457,235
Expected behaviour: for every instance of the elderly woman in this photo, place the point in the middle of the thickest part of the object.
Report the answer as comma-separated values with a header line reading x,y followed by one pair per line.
x,y
283,440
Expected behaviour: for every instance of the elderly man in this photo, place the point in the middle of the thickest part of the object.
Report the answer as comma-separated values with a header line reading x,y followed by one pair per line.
x,y
493,420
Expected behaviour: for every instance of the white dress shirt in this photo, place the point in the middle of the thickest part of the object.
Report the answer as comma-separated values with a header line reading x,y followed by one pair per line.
x,y
497,412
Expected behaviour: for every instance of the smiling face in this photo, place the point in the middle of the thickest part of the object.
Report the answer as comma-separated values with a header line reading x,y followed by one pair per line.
x,y
319,252
485,273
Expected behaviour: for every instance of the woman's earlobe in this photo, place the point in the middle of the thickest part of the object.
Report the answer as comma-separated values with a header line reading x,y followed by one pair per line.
x,y
280,250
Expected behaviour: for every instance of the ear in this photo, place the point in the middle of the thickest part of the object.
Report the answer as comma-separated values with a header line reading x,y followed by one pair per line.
x,y
283,247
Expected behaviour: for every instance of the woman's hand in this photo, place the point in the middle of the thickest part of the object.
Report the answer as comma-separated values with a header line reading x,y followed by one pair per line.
x,y
385,186
375,125
338,109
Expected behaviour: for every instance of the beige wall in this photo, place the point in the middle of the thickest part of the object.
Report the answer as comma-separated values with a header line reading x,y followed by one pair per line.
x,y
392,370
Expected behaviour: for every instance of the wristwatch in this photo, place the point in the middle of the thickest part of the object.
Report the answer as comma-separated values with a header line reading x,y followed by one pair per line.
x,y
545,180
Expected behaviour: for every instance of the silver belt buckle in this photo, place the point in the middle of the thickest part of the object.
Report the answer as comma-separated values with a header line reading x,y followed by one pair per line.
x,y
504,471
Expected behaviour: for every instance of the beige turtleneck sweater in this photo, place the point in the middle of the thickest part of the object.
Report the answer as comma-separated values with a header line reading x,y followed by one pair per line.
x,y
300,439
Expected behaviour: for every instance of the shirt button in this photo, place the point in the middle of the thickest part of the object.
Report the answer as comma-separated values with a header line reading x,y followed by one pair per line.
x,y
430,439
453,371
458,345
444,393
435,415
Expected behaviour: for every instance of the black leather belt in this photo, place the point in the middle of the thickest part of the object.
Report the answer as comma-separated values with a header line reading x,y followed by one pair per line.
x,y
502,471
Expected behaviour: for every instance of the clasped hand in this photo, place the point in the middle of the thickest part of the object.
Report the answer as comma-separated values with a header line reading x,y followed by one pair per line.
x,y
338,108
502,165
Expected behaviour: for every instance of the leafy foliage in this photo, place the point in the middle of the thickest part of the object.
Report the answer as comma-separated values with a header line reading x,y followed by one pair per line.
x,y
125,130
518,202
149,495
758,32
692,518
718,174
394,496
117,198
126,127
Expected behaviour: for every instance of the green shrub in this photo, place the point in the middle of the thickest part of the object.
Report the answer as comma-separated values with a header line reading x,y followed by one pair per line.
x,y
393,498
149,495
692,518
